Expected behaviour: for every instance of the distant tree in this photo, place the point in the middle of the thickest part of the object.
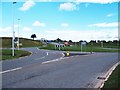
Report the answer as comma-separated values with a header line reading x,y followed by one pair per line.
x,y
109,41
64,41
115,41
92,41
85,41
103,41
98,41
70,41
80,41
33,36
58,40
54,40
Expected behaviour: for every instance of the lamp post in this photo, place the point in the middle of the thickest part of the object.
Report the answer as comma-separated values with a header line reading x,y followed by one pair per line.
x,y
18,31
81,47
13,53
102,44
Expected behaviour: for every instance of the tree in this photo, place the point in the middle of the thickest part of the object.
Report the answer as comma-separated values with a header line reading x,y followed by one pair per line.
x,y
59,40
103,41
64,41
70,41
33,36
80,41
115,41
93,41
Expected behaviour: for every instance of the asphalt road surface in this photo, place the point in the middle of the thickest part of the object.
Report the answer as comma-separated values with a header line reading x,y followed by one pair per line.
x,y
56,71
38,56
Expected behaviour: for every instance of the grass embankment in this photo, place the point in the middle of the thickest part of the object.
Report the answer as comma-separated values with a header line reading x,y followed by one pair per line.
x,y
114,79
7,54
105,45
7,42
78,48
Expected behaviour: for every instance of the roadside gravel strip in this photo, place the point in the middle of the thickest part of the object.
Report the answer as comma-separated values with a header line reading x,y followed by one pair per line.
x,y
104,76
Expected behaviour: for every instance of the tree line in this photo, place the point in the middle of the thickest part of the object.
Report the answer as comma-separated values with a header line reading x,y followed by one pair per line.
x,y
33,36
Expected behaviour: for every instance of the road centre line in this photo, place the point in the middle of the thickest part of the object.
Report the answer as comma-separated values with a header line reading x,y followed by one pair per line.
x,y
57,59
15,69
40,58
36,59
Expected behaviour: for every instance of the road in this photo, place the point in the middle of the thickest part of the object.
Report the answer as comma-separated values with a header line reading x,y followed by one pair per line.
x,y
79,71
38,56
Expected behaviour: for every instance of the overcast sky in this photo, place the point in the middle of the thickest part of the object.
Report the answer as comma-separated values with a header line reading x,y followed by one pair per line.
x,y
78,20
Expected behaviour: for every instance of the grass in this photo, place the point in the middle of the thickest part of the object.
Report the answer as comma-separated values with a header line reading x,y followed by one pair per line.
x,y
7,42
7,54
114,79
105,45
78,48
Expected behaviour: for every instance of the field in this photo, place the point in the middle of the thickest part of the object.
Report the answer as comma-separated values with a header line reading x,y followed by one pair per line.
x,y
88,48
7,54
7,42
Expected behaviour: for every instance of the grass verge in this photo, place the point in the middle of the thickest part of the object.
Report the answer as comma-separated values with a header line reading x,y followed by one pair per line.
x,y
7,42
7,54
113,80
77,48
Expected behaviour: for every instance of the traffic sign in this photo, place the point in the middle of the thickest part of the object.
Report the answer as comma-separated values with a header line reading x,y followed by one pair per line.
x,y
83,43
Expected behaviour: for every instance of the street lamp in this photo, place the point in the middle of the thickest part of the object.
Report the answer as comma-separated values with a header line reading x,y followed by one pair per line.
x,y
13,53
18,32
102,44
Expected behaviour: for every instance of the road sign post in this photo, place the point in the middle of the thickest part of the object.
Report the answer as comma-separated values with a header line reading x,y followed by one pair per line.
x,y
55,47
102,44
81,47
83,44
59,46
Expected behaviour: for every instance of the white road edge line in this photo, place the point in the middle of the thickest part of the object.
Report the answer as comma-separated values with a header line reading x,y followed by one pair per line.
x,y
101,83
109,73
10,70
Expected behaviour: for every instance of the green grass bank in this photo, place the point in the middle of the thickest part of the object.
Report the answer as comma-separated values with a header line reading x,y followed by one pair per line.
x,y
7,54
114,79
7,42
78,48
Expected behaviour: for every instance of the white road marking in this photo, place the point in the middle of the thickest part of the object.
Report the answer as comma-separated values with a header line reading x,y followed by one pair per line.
x,y
51,61
40,58
101,83
63,54
38,49
10,70
47,53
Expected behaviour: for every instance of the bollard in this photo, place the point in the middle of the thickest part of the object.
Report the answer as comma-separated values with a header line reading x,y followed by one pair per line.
x,y
68,53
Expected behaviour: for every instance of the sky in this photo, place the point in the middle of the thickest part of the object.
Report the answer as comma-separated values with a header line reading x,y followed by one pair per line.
x,y
68,20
